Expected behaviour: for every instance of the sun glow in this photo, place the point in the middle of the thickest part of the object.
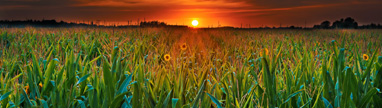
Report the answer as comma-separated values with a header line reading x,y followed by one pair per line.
x,y
195,22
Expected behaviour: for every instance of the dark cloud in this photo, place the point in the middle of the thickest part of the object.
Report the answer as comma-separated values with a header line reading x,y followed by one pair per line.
x,y
37,3
291,3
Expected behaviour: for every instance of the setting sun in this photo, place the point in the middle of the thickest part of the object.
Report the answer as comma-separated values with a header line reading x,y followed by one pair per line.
x,y
195,22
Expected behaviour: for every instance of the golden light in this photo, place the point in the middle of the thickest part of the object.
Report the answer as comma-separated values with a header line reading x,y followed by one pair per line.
x,y
195,22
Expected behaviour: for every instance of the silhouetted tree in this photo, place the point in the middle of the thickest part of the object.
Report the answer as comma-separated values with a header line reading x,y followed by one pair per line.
x,y
152,24
350,23
325,25
370,26
338,24
347,23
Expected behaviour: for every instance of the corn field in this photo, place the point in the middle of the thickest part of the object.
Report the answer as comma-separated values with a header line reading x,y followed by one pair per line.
x,y
182,68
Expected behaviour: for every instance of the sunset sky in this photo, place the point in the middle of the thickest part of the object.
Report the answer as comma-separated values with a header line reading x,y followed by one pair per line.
x,y
208,12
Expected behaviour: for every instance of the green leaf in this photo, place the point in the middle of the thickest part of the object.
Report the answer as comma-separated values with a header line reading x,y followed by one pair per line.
x,y
82,79
107,78
27,98
218,104
174,101
82,104
367,98
123,87
291,96
199,95
49,73
44,103
165,103
5,95
116,103
326,102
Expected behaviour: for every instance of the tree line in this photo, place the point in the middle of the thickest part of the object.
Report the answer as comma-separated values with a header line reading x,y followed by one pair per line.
x,y
347,23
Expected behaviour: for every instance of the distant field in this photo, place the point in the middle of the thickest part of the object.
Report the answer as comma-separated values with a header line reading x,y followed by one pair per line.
x,y
159,67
